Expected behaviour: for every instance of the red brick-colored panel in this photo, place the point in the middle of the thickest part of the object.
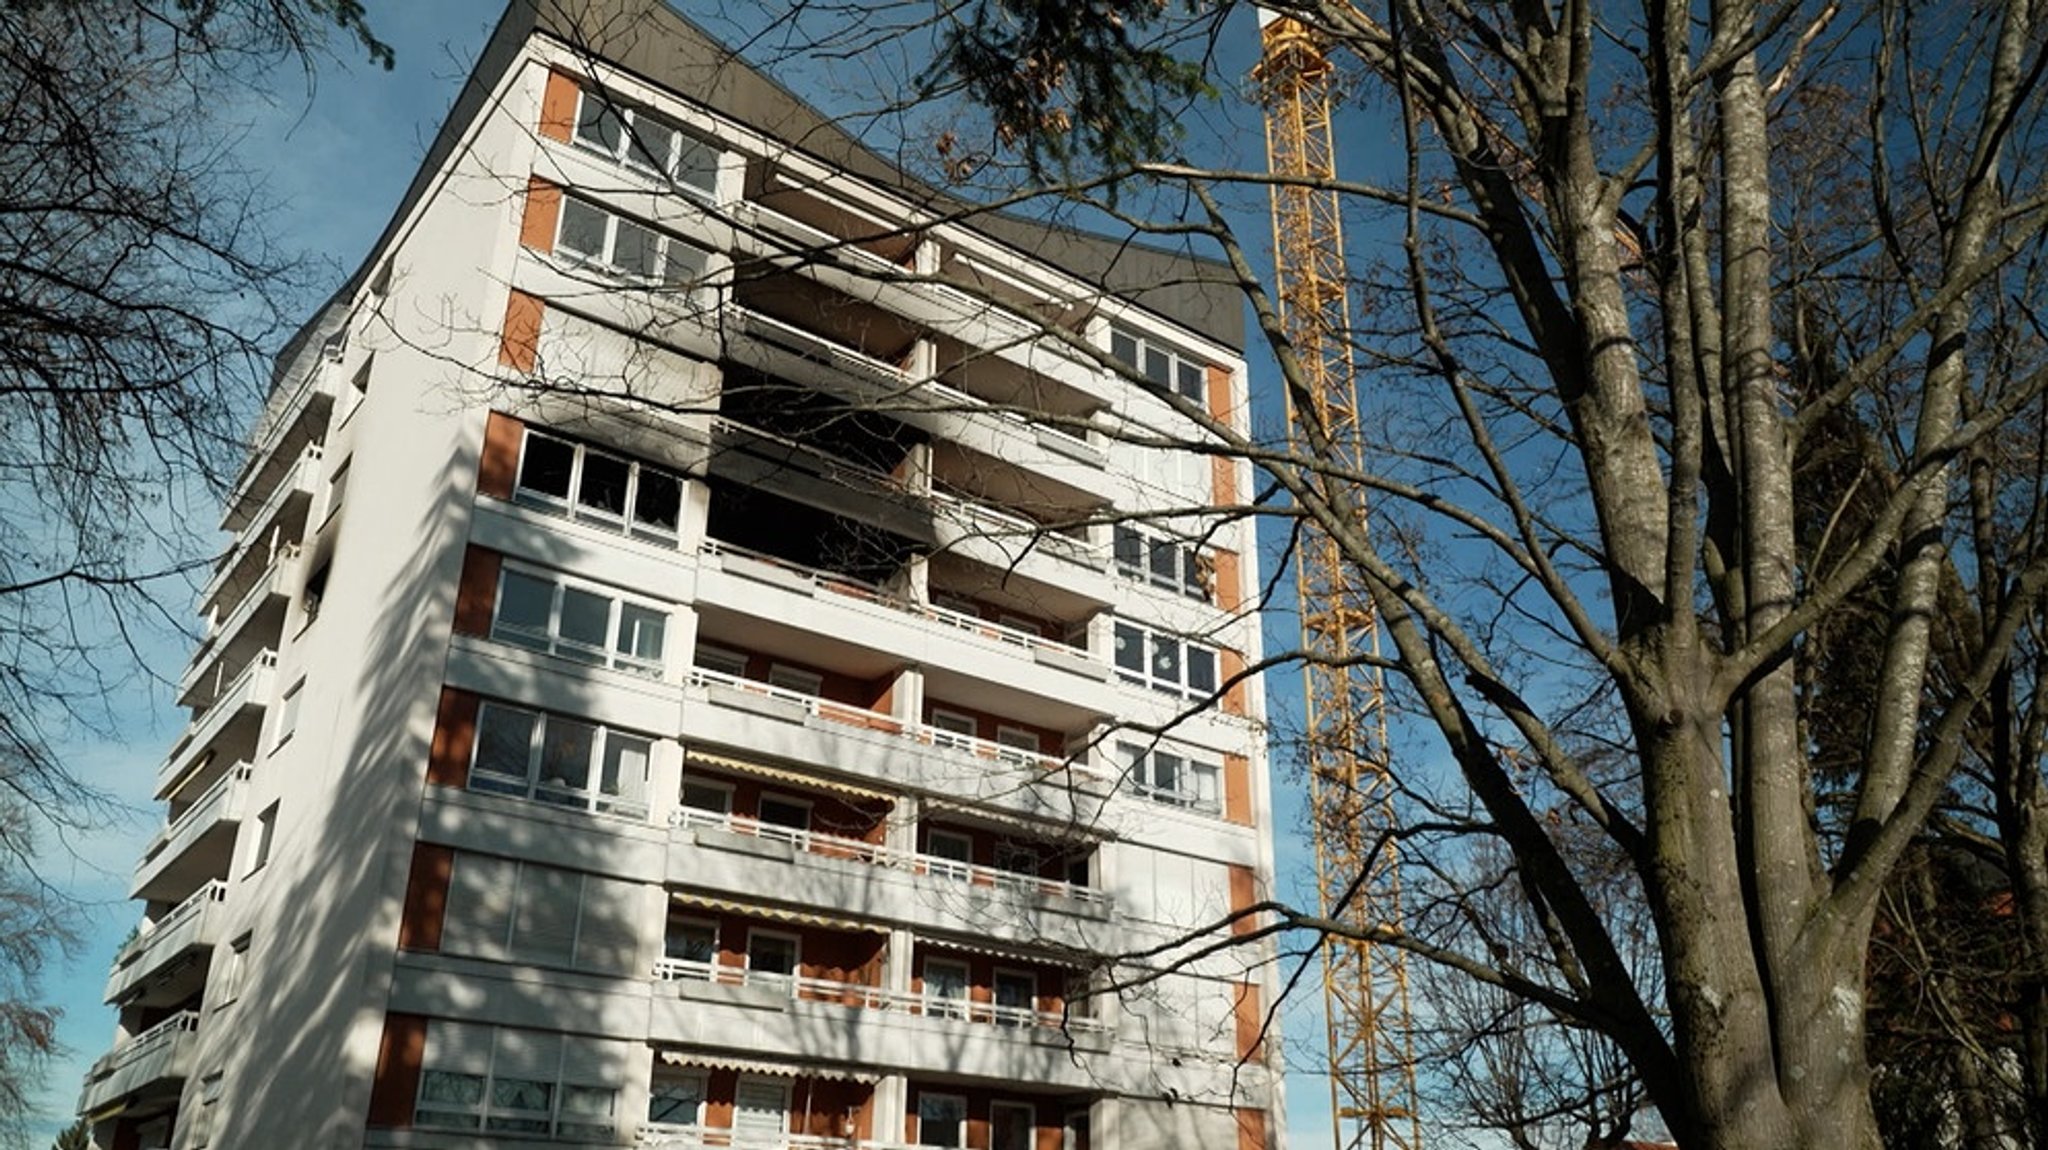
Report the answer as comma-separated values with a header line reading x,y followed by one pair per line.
x,y
558,107
1220,404
1251,1129
397,1084
543,210
1228,579
1222,481
1237,789
519,349
426,898
1234,694
497,469
1244,891
477,593
454,736
1251,1019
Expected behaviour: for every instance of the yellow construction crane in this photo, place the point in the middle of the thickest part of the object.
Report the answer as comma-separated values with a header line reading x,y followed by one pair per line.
x,y
1365,986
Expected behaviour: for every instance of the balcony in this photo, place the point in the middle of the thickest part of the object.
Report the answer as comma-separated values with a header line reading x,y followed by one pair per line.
x,y
660,1136
155,1062
859,997
237,711
151,968
273,526
802,841
231,637
295,415
195,845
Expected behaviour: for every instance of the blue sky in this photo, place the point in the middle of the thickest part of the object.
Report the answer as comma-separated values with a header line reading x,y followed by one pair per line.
x,y
334,156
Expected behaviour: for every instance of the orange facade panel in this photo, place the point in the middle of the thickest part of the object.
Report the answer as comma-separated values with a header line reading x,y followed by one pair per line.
x,y
1251,1022
426,898
1220,398
1244,892
1222,481
497,468
519,348
558,106
454,736
543,211
1237,789
397,1083
477,592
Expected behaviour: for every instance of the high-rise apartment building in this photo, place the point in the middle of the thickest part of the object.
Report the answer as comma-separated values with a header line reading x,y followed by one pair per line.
x,y
708,657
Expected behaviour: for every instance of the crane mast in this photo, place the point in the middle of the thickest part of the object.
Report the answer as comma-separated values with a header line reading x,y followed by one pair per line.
x,y
1365,986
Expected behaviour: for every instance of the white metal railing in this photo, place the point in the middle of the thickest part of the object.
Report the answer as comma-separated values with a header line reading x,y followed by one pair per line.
x,y
194,904
273,428
257,663
661,1136
853,994
200,809
905,728
870,593
895,858
251,533
162,1034
1008,524
218,623
834,467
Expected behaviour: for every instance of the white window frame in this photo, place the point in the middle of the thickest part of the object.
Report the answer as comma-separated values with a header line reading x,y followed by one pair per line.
x,y
1186,788
945,730
1030,1121
743,1135
995,995
1187,653
1188,579
724,789
710,924
1184,374
959,1100
629,150
551,642
796,954
960,869
796,679
721,660
1018,744
572,504
631,799
703,1080
790,801
944,1005
692,261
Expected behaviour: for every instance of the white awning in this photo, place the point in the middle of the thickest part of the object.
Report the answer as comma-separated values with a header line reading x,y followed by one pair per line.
x,y
715,1060
777,913
782,775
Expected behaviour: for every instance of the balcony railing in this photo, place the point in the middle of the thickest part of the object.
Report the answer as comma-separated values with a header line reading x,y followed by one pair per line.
x,y
296,480
869,593
257,664
813,346
876,854
960,401
858,995
903,728
206,806
991,521
148,1042
193,906
659,1136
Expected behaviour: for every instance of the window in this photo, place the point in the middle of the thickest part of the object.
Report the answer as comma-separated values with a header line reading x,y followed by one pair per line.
x,y
591,235
202,1123
337,488
1016,994
699,795
951,852
760,1111
316,591
513,911
234,969
953,723
942,1120
946,988
722,661
1016,858
592,485
558,760
778,811
1010,1126
545,612
771,954
515,1082
1165,777
266,832
358,388
288,715
1164,662
691,940
643,142
1160,367
796,679
1017,744
1162,562
678,1098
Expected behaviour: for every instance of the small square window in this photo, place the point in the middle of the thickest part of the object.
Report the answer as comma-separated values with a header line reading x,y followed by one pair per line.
x,y
266,833
583,230
288,715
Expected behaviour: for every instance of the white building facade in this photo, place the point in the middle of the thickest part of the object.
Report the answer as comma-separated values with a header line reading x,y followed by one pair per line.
x,y
704,661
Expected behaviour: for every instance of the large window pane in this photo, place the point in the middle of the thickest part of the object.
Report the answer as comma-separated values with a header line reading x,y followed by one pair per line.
x,y
684,264
637,251
941,1120
1130,648
1201,670
1123,346
658,502
585,619
697,165
625,768
504,744
675,1101
1166,659
520,1105
603,489
524,605
653,142
582,230
565,753
587,1111
641,630
598,126
545,467
1130,549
